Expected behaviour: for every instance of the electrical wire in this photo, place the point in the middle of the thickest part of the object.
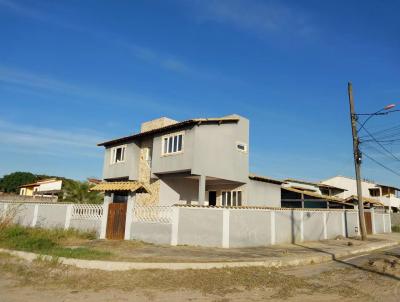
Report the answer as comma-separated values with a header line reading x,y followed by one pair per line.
x,y
382,146
380,164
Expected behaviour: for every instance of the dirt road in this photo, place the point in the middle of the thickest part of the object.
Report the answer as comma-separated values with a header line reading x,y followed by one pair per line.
x,y
371,277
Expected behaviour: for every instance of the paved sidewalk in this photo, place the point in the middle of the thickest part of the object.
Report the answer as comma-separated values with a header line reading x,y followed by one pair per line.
x,y
276,256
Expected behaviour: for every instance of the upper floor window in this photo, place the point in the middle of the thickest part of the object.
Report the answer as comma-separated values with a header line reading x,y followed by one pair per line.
x,y
374,192
241,147
117,154
172,143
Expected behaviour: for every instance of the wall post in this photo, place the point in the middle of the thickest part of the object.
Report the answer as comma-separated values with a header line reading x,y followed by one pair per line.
x,y
35,215
175,225
129,215
272,227
373,216
225,227
68,216
301,226
325,225
107,201
384,222
344,226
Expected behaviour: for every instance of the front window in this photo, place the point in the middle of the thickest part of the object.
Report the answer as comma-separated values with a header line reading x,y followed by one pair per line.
x,y
118,154
231,198
172,143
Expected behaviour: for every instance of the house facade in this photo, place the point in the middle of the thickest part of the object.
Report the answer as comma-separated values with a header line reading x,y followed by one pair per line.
x,y
198,161
385,194
43,188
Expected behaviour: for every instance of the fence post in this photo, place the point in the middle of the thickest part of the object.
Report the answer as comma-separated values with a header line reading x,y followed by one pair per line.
x,y
225,228
384,222
390,222
35,215
301,226
68,216
272,227
344,226
175,225
325,225
129,216
373,220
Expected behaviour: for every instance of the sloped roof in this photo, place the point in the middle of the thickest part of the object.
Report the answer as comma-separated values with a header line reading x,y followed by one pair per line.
x,y
318,184
265,179
133,186
176,126
365,199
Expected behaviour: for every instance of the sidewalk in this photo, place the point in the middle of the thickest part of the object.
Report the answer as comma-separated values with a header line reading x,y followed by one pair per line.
x,y
276,256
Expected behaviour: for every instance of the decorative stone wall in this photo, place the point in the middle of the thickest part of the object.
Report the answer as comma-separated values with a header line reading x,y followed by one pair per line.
x,y
151,198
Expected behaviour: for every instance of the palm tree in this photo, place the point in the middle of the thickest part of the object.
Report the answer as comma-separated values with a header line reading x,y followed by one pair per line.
x,y
78,192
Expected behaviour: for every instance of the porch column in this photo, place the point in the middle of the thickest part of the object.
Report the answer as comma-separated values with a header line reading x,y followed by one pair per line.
x,y
202,189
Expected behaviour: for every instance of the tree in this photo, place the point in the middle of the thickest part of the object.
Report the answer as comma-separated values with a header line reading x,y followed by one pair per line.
x,y
78,192
10,183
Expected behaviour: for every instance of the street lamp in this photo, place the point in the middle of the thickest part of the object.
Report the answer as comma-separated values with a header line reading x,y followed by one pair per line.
x,y
357,153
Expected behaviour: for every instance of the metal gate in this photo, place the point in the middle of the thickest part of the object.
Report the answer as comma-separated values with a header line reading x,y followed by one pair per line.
x,y
116,221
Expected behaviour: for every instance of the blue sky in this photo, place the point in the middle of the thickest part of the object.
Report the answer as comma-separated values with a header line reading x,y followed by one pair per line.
x,y
73,73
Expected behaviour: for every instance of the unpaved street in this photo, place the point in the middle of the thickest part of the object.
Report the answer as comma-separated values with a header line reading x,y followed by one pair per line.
x,y
372,277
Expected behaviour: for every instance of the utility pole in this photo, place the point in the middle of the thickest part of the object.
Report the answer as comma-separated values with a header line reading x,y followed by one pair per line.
x,y
357,162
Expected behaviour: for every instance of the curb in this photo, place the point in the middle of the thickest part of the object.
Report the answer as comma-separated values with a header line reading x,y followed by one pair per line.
x,y
273,262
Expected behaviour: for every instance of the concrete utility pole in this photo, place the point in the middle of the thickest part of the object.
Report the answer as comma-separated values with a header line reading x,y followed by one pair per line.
x,y
357,162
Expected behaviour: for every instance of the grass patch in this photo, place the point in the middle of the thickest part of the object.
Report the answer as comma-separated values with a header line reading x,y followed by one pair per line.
x,y
49,242
396,228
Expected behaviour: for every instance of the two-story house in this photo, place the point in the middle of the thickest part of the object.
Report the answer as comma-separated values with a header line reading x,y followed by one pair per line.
x,y
372,192
198,161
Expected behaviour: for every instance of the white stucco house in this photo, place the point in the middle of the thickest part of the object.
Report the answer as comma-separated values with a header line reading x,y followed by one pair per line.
x,y
386,194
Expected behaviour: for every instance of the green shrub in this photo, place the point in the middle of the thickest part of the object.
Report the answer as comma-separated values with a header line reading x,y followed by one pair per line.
x,y
48,242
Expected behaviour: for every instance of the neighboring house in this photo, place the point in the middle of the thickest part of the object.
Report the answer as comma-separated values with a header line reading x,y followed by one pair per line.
x,y
44,188
198,161
372,192
304,194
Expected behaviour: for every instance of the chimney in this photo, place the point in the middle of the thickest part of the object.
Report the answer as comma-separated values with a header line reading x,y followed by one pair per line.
x,y
157,123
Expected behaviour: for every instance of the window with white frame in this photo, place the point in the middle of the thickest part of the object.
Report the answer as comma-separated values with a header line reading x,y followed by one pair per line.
x,y
241,147
172,143
231,198
118,154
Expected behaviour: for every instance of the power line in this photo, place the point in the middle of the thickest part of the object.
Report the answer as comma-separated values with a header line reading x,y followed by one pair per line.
x,y
380,164
382,146
384,131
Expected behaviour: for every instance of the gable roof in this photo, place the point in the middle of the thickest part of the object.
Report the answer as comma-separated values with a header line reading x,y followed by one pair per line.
x,y
318,184
172,127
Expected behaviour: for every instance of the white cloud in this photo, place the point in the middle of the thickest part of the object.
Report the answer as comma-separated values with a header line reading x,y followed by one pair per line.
x,y
39,82
261,17
48,141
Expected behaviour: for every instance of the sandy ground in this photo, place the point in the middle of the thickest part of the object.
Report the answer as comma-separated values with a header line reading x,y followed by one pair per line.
x,y
371,277
137,251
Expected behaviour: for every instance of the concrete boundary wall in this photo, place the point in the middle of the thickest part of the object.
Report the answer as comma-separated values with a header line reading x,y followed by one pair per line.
x,y
249,227
47,215
204,226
